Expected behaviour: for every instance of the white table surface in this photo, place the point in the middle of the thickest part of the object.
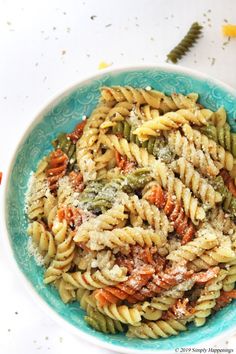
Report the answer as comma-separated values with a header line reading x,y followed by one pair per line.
x,y
47,45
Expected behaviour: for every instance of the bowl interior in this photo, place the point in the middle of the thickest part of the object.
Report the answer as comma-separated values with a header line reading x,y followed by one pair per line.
x,y
61,116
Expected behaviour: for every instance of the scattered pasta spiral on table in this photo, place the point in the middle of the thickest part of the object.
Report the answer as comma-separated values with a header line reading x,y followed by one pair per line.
x,y
186,43
132,214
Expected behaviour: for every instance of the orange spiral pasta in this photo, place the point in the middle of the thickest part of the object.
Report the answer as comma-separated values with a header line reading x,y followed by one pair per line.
x,y
76,180
229,181
57,165
174,210
122,291
181,309
141,256
123,163
141,285
78,131
72,215
224,299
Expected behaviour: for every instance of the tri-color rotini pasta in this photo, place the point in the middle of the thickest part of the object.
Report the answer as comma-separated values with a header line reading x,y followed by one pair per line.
x,y
132,214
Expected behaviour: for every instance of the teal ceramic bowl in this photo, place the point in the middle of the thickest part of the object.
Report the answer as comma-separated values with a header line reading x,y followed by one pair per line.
x,y
61,114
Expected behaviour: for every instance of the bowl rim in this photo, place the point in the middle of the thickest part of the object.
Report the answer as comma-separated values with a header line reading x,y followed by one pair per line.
x,y
44,108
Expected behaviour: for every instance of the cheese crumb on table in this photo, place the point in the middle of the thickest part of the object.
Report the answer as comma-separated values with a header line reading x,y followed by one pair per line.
x,y
103,65
229,30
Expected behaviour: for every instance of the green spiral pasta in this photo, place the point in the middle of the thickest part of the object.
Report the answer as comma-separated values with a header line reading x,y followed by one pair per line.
x,y
102,323
154,146
222,136
68,147
228,200
89,193
133,181
186,43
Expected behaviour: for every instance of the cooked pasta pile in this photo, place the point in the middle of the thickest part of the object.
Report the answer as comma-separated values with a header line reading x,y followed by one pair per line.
x,y
132,214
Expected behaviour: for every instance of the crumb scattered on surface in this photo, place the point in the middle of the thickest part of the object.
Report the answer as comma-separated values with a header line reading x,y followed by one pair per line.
x,y
63,52
93,17
108,25
103,65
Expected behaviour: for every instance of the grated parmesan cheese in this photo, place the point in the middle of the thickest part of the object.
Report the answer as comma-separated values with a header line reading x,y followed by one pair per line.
x,y
34,252
133,118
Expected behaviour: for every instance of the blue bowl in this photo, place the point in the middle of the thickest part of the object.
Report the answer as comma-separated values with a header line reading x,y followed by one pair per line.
x,y
61,115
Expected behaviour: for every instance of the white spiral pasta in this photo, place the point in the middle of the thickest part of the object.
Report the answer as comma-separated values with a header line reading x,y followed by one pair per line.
x,y
153,310
157,329
121,313
220,254
104,160
66,291
43,239
207,239
219,117
119,112
131,150
222,221
50,209
192,179
207,300
106,221
88,145
155,99
146,113
84,298
203,161
97,280
169,297
172,120
124,237
141,210
63,258
230,280
202,142
132,95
